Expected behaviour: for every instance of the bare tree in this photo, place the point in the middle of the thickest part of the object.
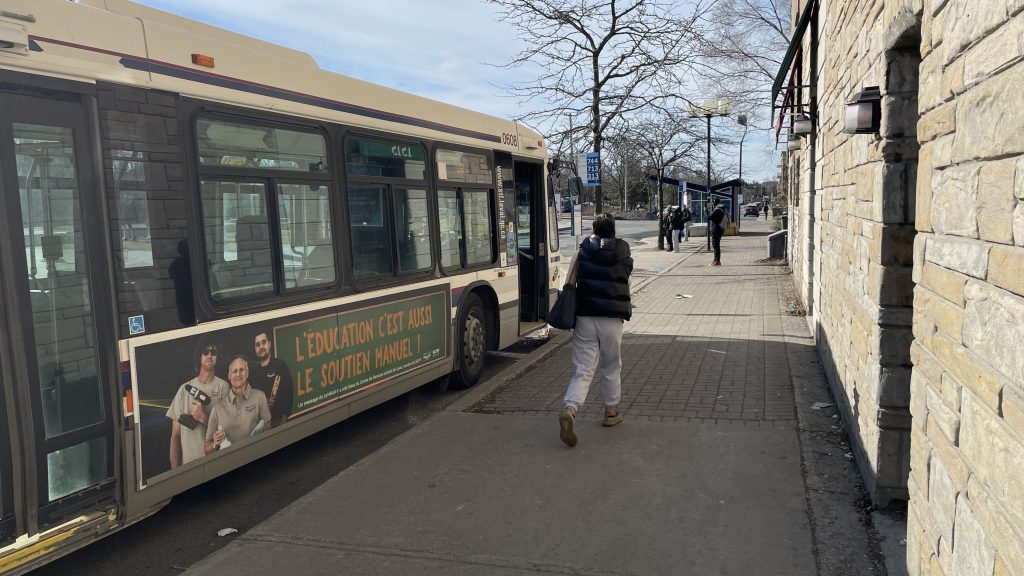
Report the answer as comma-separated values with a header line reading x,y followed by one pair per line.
x,y
665,139
742,52
598,59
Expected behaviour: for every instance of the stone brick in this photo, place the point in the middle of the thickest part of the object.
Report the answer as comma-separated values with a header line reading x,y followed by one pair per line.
x,y
946,317
1013,409
1006,269
968,22
942,493
923,197
969,370
964,256
987,113
947,452
953,79
993,329
991,514
946,283
946,419
937,122
1018,179
955,199
952,390
914,541
973,552
995,455
996,201
1001,569
1018,224
995,53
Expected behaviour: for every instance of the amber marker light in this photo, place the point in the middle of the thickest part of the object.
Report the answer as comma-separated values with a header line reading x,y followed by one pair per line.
x,y
202,60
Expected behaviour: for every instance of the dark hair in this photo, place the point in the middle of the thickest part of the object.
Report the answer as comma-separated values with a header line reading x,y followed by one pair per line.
x,y
205,341
267,330
604,225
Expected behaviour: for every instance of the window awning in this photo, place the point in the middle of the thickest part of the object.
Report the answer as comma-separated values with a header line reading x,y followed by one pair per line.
x,y
794,46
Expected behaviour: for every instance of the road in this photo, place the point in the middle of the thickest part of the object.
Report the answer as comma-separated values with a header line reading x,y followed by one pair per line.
x,y
185,531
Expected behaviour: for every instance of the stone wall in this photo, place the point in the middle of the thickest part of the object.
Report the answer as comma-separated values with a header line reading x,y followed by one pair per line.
x,y
922,225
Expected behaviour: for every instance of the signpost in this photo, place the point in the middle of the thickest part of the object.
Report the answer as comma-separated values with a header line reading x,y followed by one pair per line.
x,y
593,169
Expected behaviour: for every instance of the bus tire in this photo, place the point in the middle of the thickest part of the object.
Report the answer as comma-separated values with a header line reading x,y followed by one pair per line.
x,y
471,344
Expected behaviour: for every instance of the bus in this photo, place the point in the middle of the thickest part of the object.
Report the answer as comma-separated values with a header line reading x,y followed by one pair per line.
x,y
212,249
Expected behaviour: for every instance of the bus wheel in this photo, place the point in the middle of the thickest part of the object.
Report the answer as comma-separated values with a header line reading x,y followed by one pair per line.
x,y
471,347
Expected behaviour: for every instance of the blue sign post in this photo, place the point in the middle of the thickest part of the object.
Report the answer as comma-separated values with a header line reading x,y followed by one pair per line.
x,y
593,169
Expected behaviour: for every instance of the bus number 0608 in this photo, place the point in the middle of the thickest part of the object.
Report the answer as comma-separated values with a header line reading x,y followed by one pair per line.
x,y
510,139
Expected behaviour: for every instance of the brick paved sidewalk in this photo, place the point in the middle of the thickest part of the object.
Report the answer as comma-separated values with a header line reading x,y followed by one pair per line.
x,y
705,344
719,347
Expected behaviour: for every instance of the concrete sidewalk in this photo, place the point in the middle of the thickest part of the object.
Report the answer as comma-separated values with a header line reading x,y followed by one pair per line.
x,y
721,467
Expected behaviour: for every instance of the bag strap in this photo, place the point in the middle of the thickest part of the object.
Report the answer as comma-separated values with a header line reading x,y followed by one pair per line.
x,y
574,269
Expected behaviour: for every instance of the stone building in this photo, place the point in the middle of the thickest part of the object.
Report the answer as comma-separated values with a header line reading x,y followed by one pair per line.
x,y
907,246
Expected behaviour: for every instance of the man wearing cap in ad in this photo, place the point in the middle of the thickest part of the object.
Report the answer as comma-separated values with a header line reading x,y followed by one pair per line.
x,y
191,406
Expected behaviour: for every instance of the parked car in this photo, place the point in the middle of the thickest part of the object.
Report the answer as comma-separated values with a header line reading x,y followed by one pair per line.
x,y
752,209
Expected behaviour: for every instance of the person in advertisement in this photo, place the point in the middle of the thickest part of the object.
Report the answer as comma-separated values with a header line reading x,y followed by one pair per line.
x,y
241,413
190,409
272,376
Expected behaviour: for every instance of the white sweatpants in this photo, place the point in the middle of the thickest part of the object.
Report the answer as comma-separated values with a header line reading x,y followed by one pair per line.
x,y
596,345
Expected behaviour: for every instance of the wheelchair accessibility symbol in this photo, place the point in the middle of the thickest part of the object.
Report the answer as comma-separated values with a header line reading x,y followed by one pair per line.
x,y
136,325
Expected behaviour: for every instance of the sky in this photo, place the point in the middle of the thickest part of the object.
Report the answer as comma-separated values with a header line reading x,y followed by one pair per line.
x,y
447,50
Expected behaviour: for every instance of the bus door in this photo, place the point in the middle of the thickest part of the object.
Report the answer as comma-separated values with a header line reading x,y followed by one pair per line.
x,y
531,226
57,406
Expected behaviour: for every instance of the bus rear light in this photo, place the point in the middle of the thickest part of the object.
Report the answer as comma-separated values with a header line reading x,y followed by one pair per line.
x,y
202,60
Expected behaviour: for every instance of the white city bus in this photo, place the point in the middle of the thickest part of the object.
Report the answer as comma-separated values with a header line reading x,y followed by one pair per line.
x,y
175,196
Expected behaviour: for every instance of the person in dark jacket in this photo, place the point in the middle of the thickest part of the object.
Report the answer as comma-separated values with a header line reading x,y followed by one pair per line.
x,y
718,220
666,226
679,226
602,305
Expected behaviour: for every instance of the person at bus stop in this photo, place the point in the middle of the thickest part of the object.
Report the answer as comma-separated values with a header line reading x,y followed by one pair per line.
x,y
272,376
678,227
242,413
666,225
718,220
602,306
190,409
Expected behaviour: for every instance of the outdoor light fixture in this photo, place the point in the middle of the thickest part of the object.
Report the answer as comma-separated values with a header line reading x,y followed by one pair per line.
x,y
794,142
802,125
864,112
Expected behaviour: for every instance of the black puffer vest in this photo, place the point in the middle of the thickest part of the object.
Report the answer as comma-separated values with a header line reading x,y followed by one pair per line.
x,y
602,284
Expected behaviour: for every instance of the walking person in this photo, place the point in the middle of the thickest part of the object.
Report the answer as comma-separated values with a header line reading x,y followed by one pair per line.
x,y
602,306
718,221
765,209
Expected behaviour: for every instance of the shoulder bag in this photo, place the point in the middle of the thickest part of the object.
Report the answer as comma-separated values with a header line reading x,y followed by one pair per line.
x,y
563,313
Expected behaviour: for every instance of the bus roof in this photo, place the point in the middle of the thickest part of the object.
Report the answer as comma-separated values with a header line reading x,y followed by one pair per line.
x,y
123,42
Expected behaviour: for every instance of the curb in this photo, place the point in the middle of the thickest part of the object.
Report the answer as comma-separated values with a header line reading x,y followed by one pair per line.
x,y
479,392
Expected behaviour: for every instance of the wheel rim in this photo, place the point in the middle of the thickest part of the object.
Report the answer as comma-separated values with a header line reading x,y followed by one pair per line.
x,y
474,351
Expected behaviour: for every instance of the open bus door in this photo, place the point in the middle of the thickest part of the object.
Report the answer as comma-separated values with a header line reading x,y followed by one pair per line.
x,y
531,204
58,458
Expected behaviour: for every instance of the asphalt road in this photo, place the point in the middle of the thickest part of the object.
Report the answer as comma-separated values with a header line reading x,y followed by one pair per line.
x,y
185,531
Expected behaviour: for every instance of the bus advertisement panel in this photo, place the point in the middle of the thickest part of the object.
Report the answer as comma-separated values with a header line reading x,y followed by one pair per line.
x,y
212,391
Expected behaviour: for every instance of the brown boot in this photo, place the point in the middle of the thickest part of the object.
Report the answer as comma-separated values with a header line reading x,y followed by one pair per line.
x,y
567,426
612,416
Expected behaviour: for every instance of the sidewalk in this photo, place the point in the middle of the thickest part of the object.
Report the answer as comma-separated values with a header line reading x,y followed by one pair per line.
x,y
721,467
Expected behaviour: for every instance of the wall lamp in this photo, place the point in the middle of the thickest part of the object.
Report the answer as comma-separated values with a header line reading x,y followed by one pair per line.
x,y
794,143
802,125
864,112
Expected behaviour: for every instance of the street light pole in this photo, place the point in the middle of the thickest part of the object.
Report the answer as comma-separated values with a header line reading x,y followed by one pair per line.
x,y
709,109
742,120
707,199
